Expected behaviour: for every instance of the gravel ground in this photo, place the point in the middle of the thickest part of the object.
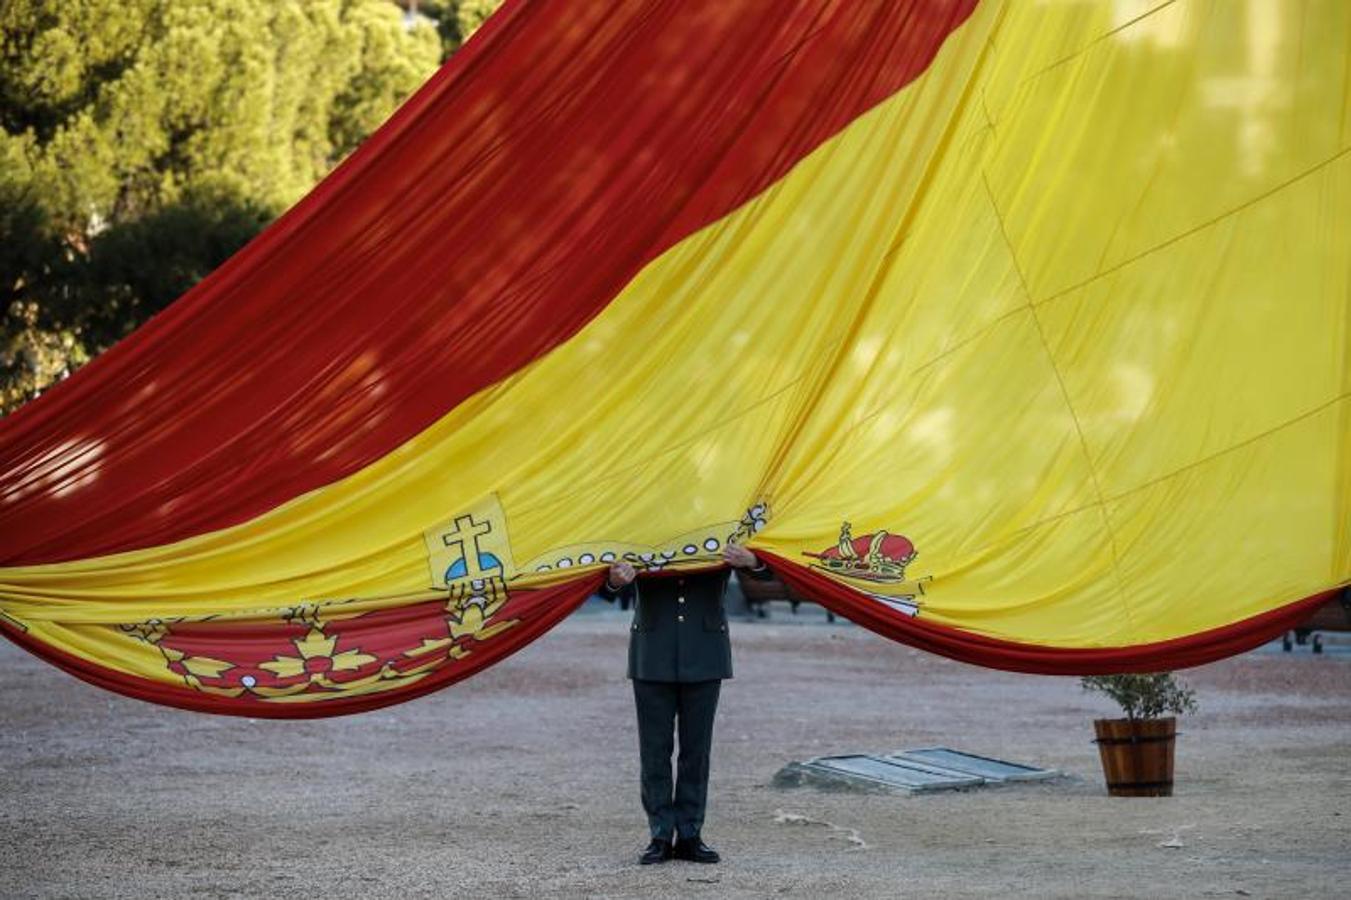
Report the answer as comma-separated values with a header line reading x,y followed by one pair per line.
x,y
523,782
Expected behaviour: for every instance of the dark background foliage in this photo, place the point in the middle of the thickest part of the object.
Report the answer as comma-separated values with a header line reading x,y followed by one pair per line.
x,y
142,142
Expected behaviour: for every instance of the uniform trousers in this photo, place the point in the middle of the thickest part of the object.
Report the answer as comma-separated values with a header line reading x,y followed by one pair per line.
x,y
665,708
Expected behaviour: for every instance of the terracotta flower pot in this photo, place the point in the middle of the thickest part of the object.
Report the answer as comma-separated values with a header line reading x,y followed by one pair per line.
x,y
1137,755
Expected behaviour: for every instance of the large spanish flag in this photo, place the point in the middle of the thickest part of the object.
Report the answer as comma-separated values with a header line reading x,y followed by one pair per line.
x,y
1015,331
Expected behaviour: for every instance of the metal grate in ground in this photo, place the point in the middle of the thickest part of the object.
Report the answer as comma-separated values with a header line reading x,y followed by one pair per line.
x,y
909,771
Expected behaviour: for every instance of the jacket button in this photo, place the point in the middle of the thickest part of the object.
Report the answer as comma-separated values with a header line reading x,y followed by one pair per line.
x,y
722,627
680,599
680,618
635,626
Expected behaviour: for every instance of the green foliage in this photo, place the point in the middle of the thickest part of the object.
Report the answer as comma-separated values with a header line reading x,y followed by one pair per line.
x,y
456,19
1144,696
143,141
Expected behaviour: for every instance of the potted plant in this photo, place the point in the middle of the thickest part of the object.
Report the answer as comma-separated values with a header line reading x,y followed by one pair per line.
x,y
1137,751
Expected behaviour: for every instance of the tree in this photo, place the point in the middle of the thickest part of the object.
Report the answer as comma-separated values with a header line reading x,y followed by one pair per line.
x,y
144,141
456,19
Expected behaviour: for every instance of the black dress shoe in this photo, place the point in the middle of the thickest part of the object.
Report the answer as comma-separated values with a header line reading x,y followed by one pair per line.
x,y
695,850
659,851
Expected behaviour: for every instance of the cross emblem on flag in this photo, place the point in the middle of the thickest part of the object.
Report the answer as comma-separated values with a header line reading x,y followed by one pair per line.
x,y
471,548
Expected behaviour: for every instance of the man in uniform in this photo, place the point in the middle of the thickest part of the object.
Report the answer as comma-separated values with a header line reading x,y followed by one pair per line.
x,y
678,655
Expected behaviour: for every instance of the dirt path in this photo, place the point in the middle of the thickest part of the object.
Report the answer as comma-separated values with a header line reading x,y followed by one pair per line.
x,y
523,782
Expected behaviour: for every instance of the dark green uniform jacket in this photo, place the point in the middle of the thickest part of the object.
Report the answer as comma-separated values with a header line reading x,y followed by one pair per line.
x,y
679,630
